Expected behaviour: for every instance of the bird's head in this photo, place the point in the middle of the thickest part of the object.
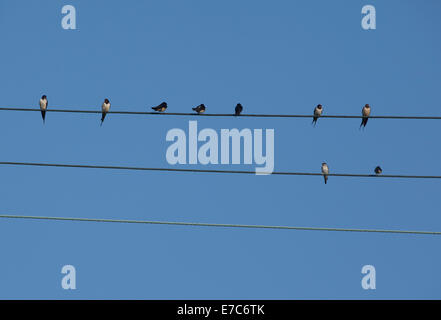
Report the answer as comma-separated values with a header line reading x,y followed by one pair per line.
x,y
106,100
44,97
367,106
319,107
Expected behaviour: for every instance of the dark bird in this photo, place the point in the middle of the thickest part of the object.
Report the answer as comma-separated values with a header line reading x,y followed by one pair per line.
x,y
200,109
378,170
43,107
366,111
325,171
317,113
161,108
105,108
238,110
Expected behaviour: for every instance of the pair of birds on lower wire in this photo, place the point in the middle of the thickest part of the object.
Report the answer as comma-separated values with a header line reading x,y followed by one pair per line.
x,y
325,171
199,109
365,112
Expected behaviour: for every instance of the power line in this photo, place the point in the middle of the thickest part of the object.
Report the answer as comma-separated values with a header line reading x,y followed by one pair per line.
x,y
37,164
243,226
224,114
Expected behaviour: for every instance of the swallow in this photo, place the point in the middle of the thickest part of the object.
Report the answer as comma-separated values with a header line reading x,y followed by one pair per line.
x,y
325,171
366,111
238,110
105,108
378,170
161,108
43,107
200,109
317,113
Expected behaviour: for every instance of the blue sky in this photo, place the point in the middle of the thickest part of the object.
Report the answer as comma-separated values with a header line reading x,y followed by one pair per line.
x,y
280,57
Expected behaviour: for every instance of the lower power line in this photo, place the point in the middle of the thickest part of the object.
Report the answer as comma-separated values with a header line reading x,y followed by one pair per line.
x,y
38,164
197,224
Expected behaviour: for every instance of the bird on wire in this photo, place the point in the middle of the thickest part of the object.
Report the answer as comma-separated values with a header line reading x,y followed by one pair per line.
x,y
366,111
160,108
238,110
43,107
105,108
378,170
317,113
200,108
325,171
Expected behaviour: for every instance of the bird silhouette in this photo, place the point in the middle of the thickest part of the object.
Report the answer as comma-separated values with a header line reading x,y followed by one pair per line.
x,y
105,108
325,171
238,110
200,108
366,111
43,107
378,170
317,113
160,108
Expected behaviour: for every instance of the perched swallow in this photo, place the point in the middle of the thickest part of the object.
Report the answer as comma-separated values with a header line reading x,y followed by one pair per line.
x,y
325,171
378,170
317,113
161,107
238,110
200,108
43,107
105,108
366,111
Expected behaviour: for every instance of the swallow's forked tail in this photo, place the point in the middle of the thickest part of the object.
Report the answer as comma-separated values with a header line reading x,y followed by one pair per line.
x,y
364,121
326,178
102,118
43,115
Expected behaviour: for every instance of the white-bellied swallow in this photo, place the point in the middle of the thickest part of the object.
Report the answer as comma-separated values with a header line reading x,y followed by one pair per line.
x,y
378,170
43,107
238,110
105,108
365,112
200,108
317,113
161,108
325,171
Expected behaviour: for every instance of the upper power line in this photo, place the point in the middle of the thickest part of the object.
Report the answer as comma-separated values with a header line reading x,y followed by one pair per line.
x,y
38,164
224,114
